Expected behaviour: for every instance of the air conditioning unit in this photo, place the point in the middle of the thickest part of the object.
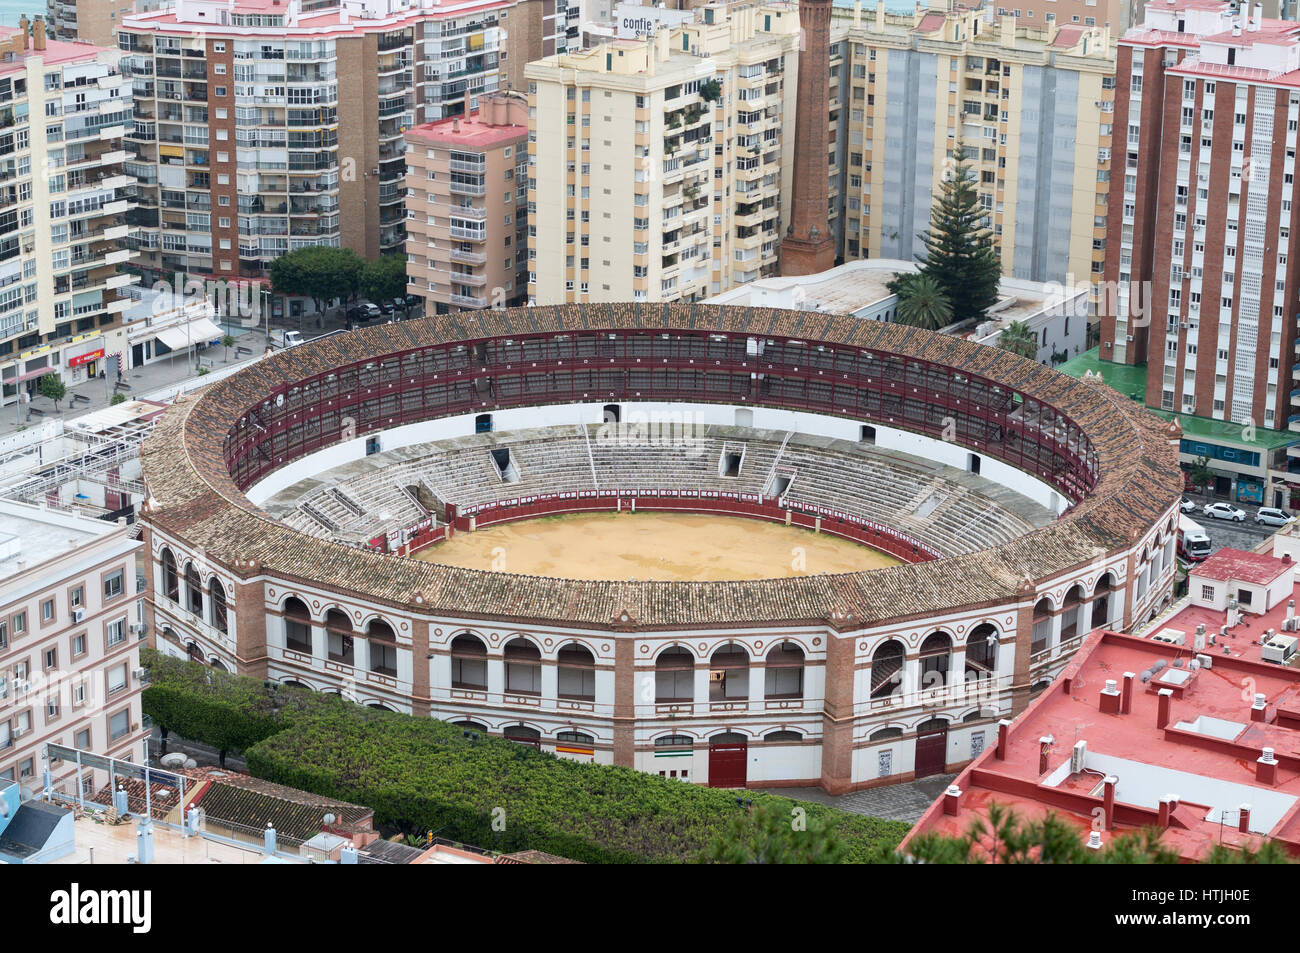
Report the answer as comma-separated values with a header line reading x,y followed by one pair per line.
x,y
1170,637
138,628
78,615
138,673
1078,756
1279,648
19,732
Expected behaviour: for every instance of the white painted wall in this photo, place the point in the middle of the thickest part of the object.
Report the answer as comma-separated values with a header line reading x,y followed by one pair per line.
x,y
765,418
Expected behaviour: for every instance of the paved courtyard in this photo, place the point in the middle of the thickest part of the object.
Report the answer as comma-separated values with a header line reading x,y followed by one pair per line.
x,y
895,802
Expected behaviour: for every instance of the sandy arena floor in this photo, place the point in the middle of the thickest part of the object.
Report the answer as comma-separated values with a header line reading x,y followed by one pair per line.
x,y
665,546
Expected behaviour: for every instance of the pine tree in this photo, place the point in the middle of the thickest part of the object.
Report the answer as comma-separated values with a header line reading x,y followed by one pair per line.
x,y
959,253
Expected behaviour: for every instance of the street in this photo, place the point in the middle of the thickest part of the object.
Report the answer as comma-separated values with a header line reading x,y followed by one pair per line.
x,y
1223,533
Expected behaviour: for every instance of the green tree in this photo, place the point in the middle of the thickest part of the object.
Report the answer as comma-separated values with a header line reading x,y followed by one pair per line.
x,y
764,834
318,272
227,342
383,279
959,253
921,302
710,91
52,386
1201,475
1018,338
118,398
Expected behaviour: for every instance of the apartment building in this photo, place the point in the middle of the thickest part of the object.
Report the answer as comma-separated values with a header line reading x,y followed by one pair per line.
x,y
467,207
1031,106
263,127
70,635
64,110
90,21
1115,15
1206,288
657,164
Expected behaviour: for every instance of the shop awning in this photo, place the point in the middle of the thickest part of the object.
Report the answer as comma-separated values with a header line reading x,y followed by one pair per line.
x,y
196,332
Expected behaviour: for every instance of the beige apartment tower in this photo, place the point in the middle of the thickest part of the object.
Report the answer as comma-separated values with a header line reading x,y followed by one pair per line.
x,y
658,164
467,201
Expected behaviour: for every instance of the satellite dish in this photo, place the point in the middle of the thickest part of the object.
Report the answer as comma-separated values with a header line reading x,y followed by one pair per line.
x,y
328,820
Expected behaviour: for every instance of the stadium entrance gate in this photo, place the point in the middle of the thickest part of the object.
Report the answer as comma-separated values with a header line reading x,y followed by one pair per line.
x,y
728,756
931,747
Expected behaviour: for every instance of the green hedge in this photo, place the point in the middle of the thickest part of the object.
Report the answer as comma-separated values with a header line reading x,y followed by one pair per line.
x,y
422,774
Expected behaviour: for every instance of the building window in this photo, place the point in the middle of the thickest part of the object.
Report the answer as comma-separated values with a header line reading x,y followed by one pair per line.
x,y
113,585
119,724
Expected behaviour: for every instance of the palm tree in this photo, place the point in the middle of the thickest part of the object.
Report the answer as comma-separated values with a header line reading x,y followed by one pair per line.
x,y
1018,338
921,303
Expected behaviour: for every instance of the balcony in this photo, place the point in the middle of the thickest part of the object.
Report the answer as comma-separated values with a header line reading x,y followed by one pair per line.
x,y
461,278
466,188
474,258
466,301
468,234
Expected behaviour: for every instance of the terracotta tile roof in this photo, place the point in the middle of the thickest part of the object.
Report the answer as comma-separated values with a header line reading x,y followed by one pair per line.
x,y
253,803
195,498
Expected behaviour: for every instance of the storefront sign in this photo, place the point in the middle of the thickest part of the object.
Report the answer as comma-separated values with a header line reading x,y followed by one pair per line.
x,y
85,358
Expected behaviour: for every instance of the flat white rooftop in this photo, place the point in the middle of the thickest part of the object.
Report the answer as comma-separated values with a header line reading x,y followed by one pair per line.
x,y
31,535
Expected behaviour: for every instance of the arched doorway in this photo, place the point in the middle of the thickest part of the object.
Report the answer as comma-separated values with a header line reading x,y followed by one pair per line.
x,y
728,758
931,748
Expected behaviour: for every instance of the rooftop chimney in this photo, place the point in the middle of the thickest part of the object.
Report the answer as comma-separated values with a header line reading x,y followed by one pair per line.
x,y
1126,694
24,25
952,800
1259,707
1108,800
1266,768
1094,837
38,33
1243,819
1001,752
1109,700
1164,700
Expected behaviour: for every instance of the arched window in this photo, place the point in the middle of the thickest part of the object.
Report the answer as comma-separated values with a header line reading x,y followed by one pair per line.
x,y
886,669
885,734
297,625
982,651
468,662
383,648
471,726
783,675
675,675
522,734
378,707
218,665
217,599
194,590
1070,613
1042,626
338,635
674,741
171,583
573,737
729,674
936,657
783,737
1101,602
523,668
576,673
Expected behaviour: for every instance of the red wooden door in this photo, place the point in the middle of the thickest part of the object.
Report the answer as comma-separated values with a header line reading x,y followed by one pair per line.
x,y
931,749
727,762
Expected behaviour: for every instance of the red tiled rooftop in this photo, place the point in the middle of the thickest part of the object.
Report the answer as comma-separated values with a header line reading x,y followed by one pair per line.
x,y
467,131
1243,566
1209,762
1067,37
55,52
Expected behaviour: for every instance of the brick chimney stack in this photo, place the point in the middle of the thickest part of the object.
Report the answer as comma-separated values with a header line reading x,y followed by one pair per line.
x,y
24,25
38,34
808,247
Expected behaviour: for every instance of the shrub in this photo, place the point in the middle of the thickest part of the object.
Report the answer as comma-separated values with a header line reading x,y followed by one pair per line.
x,y
419,774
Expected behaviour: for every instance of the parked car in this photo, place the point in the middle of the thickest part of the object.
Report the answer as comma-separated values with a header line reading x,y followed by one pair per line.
x,y
1272,516
283,339
1187,506
413,301
399,304
363,312
385,307
1225,511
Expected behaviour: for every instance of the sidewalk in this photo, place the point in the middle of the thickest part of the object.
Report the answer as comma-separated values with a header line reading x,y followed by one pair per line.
x,y
169,371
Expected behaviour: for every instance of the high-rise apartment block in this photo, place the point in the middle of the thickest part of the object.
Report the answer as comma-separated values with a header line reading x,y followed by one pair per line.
x,y
467,205
1200,252
658,164
90,21
64,110
262,127
1031,105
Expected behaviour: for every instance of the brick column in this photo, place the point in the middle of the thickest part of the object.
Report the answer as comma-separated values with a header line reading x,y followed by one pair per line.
x,y
837,714
625,697
808,246
420,667
250,629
